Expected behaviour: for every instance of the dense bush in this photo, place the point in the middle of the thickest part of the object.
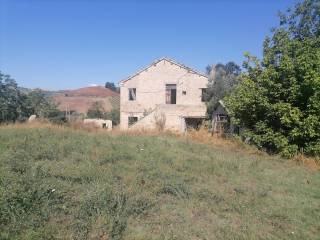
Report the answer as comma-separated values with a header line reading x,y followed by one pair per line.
x,y
278,100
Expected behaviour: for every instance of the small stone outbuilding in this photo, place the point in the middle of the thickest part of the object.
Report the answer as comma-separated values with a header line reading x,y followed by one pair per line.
x,y
221,121
32,118
99,123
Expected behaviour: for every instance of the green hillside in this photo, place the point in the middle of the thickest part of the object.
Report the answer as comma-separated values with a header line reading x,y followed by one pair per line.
x,y
58,183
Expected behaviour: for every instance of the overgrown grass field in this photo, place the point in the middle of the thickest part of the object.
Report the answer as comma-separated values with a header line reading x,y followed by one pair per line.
x,y
58,183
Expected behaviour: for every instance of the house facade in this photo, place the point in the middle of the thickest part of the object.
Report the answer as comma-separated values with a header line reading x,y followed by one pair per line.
x,y
166,93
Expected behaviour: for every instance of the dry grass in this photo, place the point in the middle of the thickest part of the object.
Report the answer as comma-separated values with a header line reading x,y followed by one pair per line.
x,y
311,163
202,136
60,183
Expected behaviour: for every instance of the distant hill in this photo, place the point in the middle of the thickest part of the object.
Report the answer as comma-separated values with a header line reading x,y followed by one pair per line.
x,y
97,91
81,99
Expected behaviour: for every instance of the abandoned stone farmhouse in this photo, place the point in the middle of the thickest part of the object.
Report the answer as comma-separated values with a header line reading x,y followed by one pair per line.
x,y
166,94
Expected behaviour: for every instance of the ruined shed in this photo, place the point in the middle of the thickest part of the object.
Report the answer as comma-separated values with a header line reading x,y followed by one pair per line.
x,y
221,120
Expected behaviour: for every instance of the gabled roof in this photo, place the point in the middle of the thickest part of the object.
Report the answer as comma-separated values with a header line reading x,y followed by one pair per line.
x,y
221,102
168,60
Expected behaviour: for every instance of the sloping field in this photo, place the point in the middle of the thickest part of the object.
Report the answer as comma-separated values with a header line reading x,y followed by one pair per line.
x,y
58,183
97,91
82,104
80,100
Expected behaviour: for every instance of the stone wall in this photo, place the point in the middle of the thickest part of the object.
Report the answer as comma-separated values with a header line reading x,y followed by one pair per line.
x,y
150,87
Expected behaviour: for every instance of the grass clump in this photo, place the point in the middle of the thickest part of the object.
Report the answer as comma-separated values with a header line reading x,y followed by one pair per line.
x,y
58,183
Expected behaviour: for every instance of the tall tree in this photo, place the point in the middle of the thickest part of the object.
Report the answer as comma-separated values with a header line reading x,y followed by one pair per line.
x,y
278,100
222,79
37,103
111,86
10,99
18,106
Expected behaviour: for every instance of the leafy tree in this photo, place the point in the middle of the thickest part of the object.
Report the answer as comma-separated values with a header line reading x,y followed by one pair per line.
x,y
222,79
96,110
278,100
113,115
11,108
37,103
18,106
111,86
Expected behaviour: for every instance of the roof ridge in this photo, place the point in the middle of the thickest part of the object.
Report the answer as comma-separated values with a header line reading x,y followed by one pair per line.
x,y
184,66
159,60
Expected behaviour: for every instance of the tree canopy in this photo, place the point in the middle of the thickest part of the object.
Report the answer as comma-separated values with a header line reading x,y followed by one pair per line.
x,y
38,104
96,110
222,79
11,100
111,86
278,100
18,106
113,115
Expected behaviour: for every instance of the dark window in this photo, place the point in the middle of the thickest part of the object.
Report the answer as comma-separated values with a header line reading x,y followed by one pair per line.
x,y
171,93
204,97
184,92
132,120
132,94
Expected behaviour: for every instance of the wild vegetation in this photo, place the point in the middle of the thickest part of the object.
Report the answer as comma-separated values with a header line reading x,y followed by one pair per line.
x,y
16,105
96,110
222,79
277,100
59,183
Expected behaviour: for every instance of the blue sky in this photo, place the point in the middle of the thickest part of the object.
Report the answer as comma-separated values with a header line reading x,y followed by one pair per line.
x,y
66,44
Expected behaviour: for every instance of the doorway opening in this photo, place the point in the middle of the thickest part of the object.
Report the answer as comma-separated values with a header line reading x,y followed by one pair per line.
x,y
193,123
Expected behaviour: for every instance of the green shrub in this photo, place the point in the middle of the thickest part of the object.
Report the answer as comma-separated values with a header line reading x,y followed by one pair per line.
x,y
278,99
